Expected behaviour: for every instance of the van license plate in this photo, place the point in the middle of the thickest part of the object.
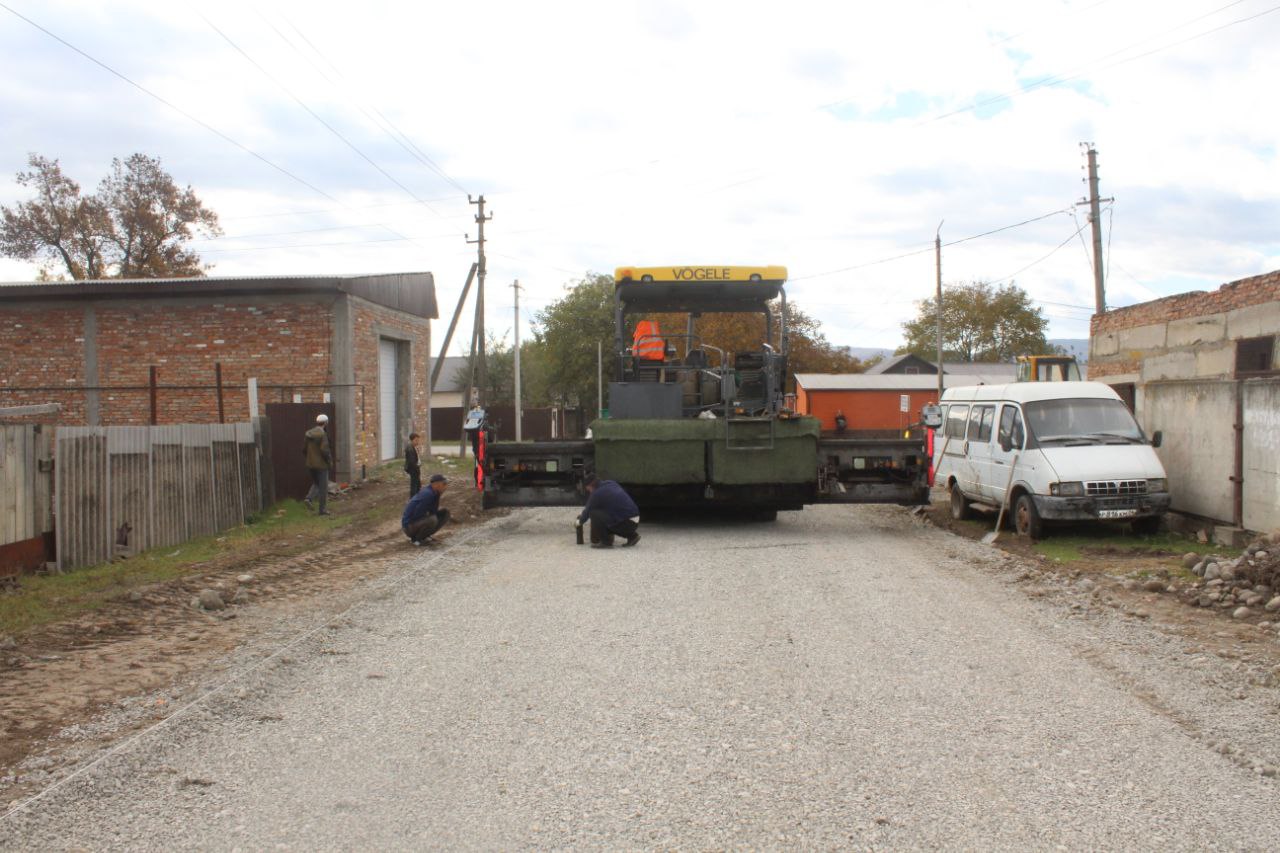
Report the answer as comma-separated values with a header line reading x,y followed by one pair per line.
x,y
1117,513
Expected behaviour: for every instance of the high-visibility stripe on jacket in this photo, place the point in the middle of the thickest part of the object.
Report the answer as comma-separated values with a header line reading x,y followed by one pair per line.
x,y
646,344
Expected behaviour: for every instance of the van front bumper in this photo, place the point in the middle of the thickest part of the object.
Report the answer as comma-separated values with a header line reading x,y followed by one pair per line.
x,y
1102,509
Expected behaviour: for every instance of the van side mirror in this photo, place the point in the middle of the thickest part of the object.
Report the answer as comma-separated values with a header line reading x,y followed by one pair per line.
x,y
1157,438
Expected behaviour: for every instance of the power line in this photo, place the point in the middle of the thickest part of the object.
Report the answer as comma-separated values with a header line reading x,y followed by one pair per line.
x,y
929,248
317,117
169,104
320,210
414,151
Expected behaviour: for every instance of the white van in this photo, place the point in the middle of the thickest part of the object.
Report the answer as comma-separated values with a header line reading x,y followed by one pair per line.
x,y
1074,450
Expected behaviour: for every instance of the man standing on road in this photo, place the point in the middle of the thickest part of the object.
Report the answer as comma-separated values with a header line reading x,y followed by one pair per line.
x,y
411,465
611,512
423,515
315,449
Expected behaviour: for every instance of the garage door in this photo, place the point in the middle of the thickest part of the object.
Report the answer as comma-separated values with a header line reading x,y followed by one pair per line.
x,y
388,417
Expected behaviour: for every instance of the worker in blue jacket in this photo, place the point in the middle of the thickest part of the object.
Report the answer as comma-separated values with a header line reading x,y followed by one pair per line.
x,y
611,512
423,515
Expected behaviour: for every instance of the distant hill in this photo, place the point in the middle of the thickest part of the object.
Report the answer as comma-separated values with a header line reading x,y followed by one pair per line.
x,y
1079,347
864,353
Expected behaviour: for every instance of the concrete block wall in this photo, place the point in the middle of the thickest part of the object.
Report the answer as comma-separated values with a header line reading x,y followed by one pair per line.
x,y
1188,336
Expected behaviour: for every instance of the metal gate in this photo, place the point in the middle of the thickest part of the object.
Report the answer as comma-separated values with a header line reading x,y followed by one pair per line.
x,y
289,423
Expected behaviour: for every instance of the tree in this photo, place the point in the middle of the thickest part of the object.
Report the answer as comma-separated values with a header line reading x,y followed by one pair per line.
x,y
980,322
809,351
136,225
569,330
566,334
497,385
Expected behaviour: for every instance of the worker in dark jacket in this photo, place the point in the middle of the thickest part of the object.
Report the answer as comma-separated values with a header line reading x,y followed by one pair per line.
x,y
412,467
315,449
423,515
611,512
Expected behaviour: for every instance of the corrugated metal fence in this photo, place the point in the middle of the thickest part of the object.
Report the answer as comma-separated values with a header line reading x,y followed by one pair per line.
x,y
121,490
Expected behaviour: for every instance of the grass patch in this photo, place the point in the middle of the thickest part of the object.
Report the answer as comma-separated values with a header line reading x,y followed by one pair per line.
x,y
42,599
1103,540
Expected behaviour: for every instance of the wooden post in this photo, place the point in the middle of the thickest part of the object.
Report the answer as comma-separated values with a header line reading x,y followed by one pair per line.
x,y
153,395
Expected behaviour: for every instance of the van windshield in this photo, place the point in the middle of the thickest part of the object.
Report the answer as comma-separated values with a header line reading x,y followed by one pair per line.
x,y
1087,421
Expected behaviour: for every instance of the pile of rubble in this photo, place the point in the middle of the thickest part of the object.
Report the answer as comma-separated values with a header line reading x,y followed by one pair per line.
x,y
1248,585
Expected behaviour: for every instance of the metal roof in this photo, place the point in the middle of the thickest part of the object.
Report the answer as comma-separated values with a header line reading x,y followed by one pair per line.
x,y
449,381
412,292
892,381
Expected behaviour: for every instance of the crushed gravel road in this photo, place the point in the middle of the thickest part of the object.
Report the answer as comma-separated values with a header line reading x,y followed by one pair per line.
x,y
844,677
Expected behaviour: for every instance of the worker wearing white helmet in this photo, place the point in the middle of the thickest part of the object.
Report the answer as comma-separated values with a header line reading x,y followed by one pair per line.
x,y
315,449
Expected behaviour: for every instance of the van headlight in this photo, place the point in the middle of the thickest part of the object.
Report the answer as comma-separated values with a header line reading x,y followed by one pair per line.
x,y
1159,484
1067,490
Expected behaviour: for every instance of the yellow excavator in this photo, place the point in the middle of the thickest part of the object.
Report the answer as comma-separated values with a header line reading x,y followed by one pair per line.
x,y
1048,368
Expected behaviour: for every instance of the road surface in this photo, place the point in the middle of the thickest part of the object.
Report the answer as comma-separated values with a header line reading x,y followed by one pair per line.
x,y
845,677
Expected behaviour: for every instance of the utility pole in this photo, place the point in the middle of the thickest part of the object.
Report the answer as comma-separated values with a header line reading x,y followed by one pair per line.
x,y
937,252
1095,220
481,271
519,412
477,328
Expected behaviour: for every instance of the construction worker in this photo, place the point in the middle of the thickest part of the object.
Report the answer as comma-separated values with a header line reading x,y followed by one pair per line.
x,y
611,512
315,450
423,516
646,344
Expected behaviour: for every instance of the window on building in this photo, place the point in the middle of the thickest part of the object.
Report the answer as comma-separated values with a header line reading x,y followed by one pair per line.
x,y
1255,355
911,370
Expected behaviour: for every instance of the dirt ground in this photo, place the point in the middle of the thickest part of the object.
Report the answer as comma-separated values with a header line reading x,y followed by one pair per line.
x,y
1120,577
65,674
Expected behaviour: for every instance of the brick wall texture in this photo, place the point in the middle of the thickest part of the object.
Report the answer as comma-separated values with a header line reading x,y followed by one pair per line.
x,y
1237,294
371,322
42,348
285,343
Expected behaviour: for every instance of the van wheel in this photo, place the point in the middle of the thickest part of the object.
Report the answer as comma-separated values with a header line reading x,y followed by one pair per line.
x,y
959,506
1026,520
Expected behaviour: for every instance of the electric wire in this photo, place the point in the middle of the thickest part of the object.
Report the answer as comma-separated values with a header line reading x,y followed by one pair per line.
x,y
430,163
929,248
169,104
333,130
401,139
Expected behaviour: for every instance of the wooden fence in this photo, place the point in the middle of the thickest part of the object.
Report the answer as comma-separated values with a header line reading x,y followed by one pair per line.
x,y
26,487
124,489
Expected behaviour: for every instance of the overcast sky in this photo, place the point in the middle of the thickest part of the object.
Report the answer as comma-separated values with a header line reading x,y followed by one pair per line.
x,y
827,137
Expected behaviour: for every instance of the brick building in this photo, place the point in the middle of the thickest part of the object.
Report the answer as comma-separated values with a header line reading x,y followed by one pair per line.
x,y
91,345
1204,369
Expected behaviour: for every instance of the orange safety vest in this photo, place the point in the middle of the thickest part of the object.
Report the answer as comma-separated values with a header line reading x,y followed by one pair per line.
x,y
646,344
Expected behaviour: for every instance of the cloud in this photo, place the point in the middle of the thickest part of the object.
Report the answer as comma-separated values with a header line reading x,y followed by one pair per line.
x,y
604,134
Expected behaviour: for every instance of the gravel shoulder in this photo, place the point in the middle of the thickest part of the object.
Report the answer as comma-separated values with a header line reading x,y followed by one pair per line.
x,y
844,677
72,688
